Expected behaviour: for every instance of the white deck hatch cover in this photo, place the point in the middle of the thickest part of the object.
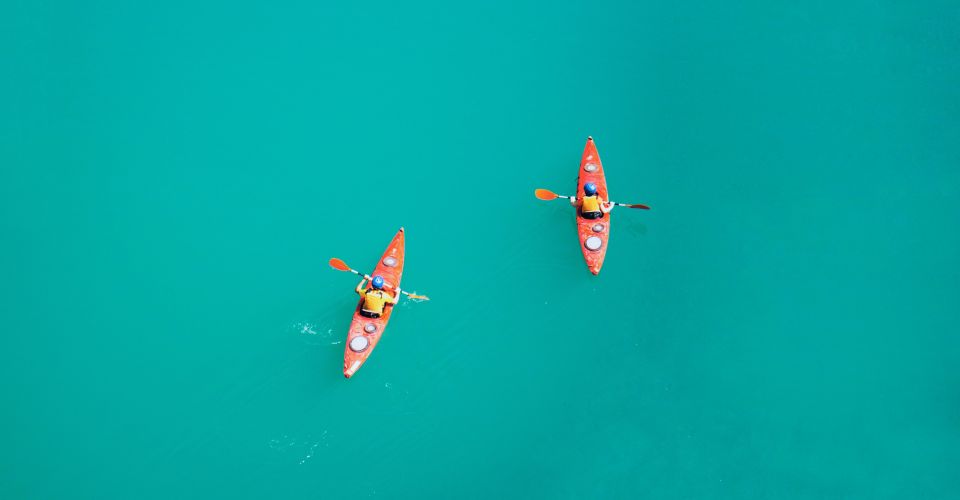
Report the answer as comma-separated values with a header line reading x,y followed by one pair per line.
x,y
359,343
593,243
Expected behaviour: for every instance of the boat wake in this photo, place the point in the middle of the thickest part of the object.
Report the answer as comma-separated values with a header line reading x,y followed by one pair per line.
x,y
411,299
300,450
314,335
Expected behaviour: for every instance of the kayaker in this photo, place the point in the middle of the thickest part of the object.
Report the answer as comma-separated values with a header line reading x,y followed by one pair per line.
x,y
590,205
375,299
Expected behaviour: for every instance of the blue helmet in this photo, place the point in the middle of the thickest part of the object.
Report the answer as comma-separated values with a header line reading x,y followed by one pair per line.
x,y
377,282
590,188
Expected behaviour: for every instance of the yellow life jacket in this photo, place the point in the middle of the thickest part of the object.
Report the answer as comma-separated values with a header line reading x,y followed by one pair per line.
x,y
374,301
590,204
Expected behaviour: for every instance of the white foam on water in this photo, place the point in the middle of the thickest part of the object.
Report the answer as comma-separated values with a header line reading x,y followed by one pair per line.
x,y
313,334
302,449
309,454
305,328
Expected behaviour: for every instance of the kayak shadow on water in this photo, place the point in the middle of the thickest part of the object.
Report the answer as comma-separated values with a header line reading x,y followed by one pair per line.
x,y
561,210
632,225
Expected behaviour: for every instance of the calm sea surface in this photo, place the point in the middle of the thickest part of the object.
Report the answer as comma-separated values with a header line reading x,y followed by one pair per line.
x,y
784,323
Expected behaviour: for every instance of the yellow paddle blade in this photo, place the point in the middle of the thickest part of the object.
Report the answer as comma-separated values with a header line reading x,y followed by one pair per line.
x,y
545,194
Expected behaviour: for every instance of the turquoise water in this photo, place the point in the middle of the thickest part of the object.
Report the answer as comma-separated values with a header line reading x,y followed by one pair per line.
x,y
782,324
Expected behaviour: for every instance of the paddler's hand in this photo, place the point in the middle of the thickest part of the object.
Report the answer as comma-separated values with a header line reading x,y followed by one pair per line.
x,y
608,207
573,200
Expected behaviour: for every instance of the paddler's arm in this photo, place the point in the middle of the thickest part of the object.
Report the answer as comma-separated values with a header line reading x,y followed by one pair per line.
x,y
396,297
573,200
360,287
606,207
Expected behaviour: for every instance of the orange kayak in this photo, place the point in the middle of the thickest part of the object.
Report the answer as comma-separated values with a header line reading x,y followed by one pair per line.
x,y
593,233
365,332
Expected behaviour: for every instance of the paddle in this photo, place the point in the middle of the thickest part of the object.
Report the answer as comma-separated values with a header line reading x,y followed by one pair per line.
x,y
547,195
340,265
